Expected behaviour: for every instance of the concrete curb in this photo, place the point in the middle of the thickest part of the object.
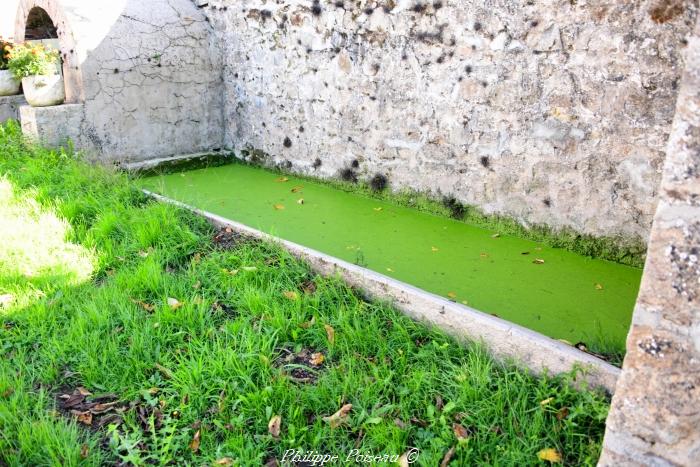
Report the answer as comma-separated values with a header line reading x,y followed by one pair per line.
x,y
505,340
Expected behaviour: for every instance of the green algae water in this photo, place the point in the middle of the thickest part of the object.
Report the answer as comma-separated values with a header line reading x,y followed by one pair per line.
x,y
552,291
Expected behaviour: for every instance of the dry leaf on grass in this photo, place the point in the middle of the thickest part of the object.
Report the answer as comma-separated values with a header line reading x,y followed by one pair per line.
x,y
174,303
317,359
274,425
549,454
224,461
290,294
278,207
460,432
330,333
297,189
84,451
282,179
452,295
196,439
538,261
448,457
546,401
339,417
146,306
308,324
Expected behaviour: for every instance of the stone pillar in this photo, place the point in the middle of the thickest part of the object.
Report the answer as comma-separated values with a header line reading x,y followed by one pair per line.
x,y
655,413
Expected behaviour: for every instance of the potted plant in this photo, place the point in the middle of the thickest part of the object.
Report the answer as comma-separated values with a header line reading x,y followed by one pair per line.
x,y
37,67
9,85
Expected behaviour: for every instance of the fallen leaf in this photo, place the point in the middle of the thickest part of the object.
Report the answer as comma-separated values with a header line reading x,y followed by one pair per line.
x,y
496,235
197,258
398,422
308,324
339,417
317,359
83,392
448,457
194,444
550,455
167,373
290,294
274,426
562,413
308,287
224,461
434,249
282,179
83,417
524,252
174,303
599,286
297,189
484,255
389,269
378,209
84,451
546,401
538,261
300,201
460,432
144,305
464,302
330,333
278,207
452,295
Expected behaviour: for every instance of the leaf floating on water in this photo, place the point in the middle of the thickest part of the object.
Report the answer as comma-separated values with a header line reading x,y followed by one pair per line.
x,y
496,235
452,295
378,209
297,189
550,455
290,294
538,261
282,179
599,286
339,417
278,207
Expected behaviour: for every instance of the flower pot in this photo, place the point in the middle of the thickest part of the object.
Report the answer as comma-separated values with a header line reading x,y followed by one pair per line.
x,y
9,86
44,90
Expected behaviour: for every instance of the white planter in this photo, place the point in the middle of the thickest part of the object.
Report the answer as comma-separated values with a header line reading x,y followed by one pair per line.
x,y
43,91
9,86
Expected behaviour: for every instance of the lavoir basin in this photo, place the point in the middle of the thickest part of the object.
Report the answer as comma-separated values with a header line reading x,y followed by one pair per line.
x,y
553,291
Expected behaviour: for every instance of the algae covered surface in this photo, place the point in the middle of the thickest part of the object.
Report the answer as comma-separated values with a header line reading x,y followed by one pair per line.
x,y
552,291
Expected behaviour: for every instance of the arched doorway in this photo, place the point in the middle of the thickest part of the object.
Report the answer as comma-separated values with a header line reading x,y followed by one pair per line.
x,y
39,26
46,20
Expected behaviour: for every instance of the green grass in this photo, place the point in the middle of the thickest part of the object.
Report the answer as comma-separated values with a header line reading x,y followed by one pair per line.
x,y
86,250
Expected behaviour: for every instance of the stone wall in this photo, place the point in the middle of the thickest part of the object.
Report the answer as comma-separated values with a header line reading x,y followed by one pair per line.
x,y
147,73
655,413
552,112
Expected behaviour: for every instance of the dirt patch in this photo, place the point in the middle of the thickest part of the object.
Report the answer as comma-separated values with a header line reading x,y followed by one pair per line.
x,y
303,366
666,10
229,239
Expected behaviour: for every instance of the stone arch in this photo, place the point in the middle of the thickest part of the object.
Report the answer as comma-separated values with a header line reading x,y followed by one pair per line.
x,y
33,17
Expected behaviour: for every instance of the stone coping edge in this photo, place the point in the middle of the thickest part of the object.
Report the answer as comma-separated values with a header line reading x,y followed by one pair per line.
x,y
505,340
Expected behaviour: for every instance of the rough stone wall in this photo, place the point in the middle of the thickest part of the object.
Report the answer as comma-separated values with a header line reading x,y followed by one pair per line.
x,y
148,74
655,413
153,84
552,112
